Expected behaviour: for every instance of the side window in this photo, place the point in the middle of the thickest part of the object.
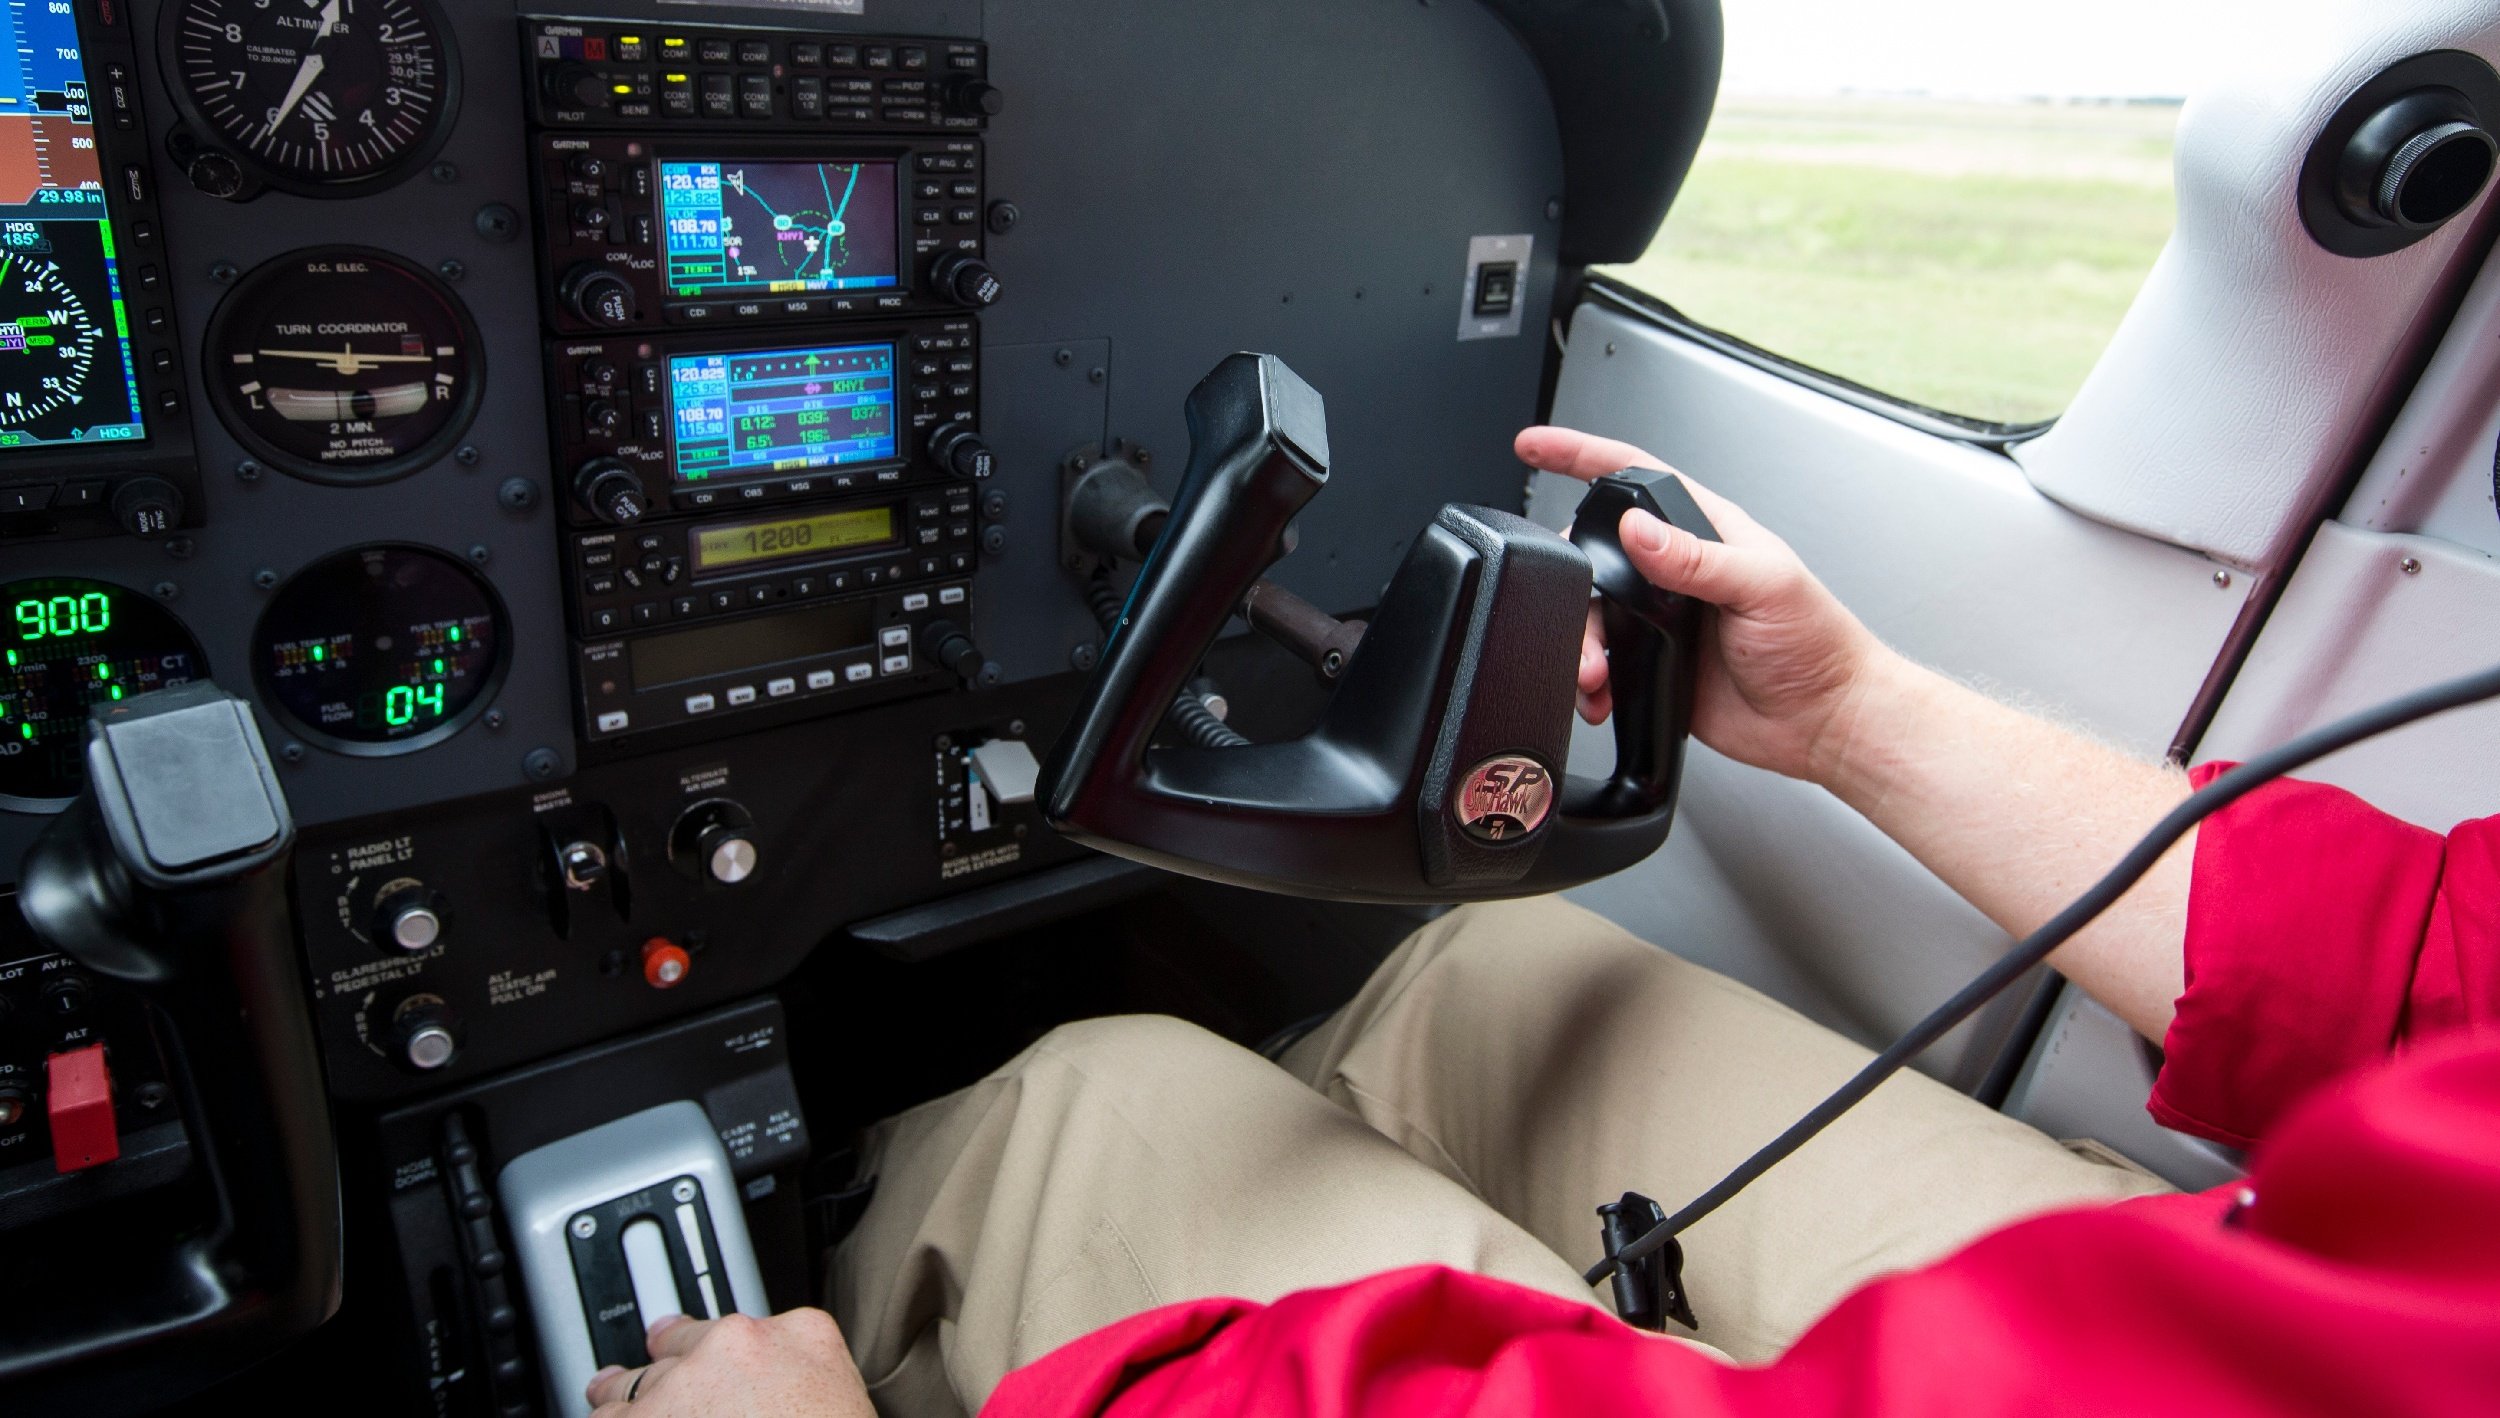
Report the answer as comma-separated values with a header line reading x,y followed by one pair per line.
x,y
1950,202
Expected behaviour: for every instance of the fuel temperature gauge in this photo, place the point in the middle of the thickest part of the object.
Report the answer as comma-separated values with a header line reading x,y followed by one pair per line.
x,y
378,650
344,365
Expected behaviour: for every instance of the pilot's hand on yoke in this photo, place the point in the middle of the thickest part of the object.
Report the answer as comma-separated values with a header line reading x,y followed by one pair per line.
x,y
1782,663
793,1365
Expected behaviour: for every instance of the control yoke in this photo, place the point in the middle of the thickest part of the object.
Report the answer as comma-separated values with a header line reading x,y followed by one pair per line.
x,y
1435,772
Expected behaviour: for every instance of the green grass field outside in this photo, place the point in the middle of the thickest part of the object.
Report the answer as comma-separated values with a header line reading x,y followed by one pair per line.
x,y
1971,257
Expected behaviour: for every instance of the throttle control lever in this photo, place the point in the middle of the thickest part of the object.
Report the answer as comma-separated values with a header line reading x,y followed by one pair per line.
x,y
1435,772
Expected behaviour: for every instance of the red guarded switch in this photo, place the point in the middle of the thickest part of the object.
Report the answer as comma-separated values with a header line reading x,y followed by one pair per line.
x,y
78,1093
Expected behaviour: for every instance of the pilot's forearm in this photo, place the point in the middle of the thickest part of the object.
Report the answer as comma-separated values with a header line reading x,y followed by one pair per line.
x,y
2019,816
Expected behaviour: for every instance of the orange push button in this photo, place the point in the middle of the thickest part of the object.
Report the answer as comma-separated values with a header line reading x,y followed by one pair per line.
x,y
78,1093
664,963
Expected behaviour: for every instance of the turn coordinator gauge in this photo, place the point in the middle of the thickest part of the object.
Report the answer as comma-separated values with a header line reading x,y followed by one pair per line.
x,y
344,365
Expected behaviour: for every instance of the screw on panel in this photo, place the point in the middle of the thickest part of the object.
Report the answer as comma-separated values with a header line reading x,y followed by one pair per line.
x,y
542,763
180,548
1610,349
247,471
517,494
224,273
446,173
1553,209
585,1227
1063,358
494,720
468,455
497,222
1004,216
683,1191
166,590
1096,375
2222,580
452,270
291,751
266,579
479,554
2410,566
1015,728
1084,656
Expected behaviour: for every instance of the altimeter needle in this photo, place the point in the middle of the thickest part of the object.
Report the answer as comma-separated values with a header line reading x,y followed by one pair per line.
x,y
311,69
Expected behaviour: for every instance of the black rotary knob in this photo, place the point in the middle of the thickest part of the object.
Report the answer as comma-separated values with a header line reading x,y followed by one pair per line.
x,y
960,449
2420,159
598,295
966,279
611,492
147,507
714,842
216,174
409,919
425,1033
976,98
577,85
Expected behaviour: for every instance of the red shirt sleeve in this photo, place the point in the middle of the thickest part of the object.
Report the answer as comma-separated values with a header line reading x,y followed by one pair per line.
x,y
2365,1278
2322,935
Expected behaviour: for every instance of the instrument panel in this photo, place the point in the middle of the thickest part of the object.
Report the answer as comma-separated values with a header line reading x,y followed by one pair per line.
x,y
571,432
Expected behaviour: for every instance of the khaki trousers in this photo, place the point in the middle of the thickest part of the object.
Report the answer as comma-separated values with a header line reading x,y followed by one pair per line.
x,y
1510,1067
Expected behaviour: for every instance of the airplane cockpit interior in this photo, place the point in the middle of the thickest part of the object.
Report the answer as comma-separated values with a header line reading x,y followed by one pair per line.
x,y
606,593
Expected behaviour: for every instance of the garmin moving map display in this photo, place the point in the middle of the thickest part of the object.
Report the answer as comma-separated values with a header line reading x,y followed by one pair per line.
x,y
65,363
778,226
772,411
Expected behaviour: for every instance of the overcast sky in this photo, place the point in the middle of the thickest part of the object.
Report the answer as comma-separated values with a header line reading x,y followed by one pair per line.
x,y
1993,47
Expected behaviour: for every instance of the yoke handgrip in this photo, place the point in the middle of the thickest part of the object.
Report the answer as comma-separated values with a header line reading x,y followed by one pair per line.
x,y
1653,638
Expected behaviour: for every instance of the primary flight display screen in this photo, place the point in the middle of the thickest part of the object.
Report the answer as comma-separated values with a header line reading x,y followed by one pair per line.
x,y
65,362
739,413
768,227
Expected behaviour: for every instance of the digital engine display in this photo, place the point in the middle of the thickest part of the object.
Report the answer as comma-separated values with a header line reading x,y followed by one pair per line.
x,y
734,228
68,644
776,411
66,375
747,543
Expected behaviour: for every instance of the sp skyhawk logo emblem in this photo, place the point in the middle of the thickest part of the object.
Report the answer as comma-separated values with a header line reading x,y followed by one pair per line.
x,y
1505,799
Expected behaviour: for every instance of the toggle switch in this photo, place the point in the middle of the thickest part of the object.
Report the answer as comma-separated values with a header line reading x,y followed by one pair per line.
x,y
78,1094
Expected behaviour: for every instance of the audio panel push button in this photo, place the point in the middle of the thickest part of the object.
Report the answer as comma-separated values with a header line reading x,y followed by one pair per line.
x,y
78,1095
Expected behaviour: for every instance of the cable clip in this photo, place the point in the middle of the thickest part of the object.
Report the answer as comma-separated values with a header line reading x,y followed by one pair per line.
x,y
1648,1291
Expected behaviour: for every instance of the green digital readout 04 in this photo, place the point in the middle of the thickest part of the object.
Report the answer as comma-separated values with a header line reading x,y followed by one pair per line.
x,y
746,543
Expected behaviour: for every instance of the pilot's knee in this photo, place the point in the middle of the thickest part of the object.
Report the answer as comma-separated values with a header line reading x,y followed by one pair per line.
x,y
1124,1043
1535,938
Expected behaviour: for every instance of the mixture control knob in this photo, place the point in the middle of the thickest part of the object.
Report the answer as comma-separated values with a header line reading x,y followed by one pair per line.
x,y
611,492
598,295
425,1033
409,918
714,843
966,279
147,507
976,98
960,449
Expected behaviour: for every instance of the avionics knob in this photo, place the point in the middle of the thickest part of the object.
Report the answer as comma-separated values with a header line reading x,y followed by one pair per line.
x,y
147,507
960,449
965,279
714,842
578,85
601,419
597,295
952,646
425,1033
409,918
611,492
976,98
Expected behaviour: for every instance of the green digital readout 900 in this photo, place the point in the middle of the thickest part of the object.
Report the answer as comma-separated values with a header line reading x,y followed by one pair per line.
x,y
70,644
